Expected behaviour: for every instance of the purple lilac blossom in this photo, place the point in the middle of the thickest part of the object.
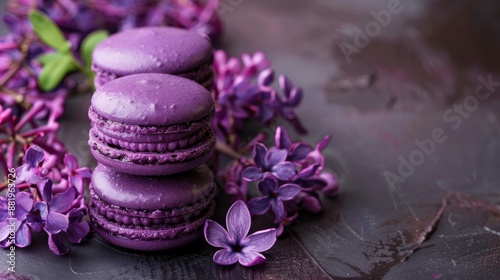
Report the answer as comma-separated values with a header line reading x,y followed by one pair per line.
x,y
244,92
76,176
24,204
268,162
235,186
308,182
236,245
57,211
77,18
273,197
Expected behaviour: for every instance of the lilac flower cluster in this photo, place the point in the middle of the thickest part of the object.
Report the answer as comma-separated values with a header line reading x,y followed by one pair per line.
x,y
243,91
290,177
77,18
54,203
21,128
19,70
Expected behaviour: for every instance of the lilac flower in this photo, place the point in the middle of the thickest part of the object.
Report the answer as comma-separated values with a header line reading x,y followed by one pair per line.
x,y
286,222
292,95
76,176
297,152
308,180
77,229
315,156
243,87
254,63
47,214
29,172
21,126
273,197
272,161
262,101
291,99
237,99
77,17
310,201
237,246
235,186
56,244
24,204
332,184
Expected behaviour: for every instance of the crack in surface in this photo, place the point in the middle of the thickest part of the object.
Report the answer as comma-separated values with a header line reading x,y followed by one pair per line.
x,y
292,234
427,232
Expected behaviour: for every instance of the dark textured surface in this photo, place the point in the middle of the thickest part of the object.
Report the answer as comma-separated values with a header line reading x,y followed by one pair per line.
x,y
441,221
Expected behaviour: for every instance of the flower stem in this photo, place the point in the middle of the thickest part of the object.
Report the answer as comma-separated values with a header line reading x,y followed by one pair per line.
x,y
225,149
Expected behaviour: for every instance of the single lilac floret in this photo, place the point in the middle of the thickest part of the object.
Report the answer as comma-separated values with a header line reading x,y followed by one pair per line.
x,y
29,172
308,179
297,151
273,197
315,156
235,186
76,176
24,204
47,214
272,161
237,246
77,229
332,184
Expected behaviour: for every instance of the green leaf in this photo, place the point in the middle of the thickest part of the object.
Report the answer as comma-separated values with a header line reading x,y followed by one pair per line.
x,y
54,71
89,44
49,32
48,57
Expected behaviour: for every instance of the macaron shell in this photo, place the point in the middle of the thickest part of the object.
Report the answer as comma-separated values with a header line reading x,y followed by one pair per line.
x,y
152,100
148,245
148,193
152,50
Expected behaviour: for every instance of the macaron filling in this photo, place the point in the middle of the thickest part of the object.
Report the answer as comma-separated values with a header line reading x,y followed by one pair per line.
x,y
205,145
152,147
108,126
151,232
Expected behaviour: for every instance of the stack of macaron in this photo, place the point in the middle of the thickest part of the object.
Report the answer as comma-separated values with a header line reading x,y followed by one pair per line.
x,y
151,134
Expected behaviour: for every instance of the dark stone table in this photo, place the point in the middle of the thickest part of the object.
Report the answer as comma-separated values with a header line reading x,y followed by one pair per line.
x,y
416,144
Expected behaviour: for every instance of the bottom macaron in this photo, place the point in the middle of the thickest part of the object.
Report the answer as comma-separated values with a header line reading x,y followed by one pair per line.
x,y
151,213
148,238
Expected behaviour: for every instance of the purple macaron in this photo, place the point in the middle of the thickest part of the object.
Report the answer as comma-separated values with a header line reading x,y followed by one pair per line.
x,y
165,50
151,213
151,124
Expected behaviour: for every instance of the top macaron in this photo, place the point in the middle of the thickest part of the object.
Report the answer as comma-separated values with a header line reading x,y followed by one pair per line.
x,y
151,124
152,100
164,50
